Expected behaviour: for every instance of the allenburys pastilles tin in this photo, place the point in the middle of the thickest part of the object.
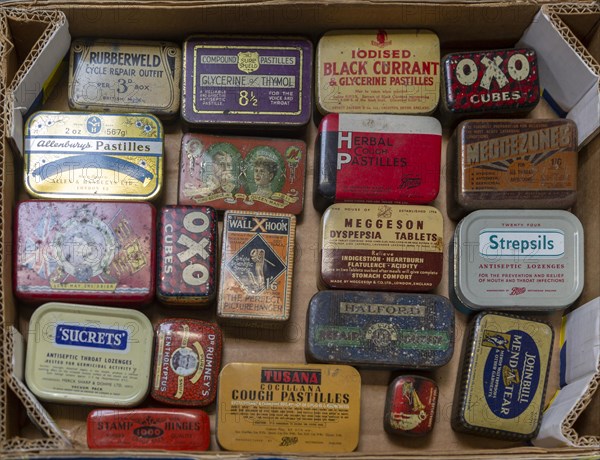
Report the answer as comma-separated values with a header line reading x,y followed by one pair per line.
x,y
93,156
125,75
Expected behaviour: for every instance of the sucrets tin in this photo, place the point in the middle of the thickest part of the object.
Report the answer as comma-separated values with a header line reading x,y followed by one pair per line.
x,y
377,159
93,156
517,260
81,354
378,71
125,75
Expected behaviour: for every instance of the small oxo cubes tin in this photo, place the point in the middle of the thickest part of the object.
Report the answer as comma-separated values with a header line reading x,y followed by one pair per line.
x,y
167,429
377,158
488,82
410,406
187,255
125,75
247,173
246,81
381,247
91,252
187,361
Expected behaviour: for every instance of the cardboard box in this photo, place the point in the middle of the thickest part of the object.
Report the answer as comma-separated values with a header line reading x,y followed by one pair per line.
x,y
26,73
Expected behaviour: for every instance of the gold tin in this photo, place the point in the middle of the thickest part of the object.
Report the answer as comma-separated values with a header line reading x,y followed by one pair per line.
x,y
83,156
125,75
289,408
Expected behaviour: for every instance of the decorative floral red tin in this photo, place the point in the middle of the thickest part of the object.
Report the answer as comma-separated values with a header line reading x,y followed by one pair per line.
x,y
187,258
187,362
168,429
410,406
91,252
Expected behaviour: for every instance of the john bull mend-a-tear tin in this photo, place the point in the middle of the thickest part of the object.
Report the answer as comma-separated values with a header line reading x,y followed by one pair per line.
x,y
505,364
93,156
377,159
81,354
517,260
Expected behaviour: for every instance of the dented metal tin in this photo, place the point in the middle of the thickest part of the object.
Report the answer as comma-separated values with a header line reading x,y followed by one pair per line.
x,y
377,159
247,81
381,247
125,75
187,255
501,388
149,428
87,252
410,406
288,408
510,164
82,354
380,329
257,264
378,71
93,156
187,361
517,260
246,173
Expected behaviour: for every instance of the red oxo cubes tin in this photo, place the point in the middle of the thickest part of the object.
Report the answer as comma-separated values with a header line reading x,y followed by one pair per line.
x,y
187,259
377,159
92,252
168,429
187,362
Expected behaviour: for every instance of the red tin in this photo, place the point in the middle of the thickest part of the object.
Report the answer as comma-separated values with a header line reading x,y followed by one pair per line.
x,y
410,406
187,362
90,252
187,258
169,429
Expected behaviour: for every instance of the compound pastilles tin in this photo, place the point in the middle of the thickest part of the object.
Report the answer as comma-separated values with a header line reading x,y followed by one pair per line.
x,y
246,82
125,75
377,159
517,260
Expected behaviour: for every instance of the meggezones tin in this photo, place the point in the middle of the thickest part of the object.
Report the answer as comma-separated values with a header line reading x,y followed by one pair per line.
x,y
517,260
247,81
246,173
93,156
377,159
378,71
96,252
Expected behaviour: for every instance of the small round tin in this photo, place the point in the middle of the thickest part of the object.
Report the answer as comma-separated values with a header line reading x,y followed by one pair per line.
x,y
410,406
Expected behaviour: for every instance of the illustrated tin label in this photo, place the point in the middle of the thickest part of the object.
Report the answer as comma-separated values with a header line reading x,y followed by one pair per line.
x,y
378,71
288,408
256,266
85,251
242,173
74,155
410,406
124,75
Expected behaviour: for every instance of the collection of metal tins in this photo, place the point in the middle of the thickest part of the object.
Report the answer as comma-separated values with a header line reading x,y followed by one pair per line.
x,y
377,170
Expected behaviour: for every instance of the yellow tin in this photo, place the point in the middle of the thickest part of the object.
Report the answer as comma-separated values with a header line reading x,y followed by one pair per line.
x,y
82,156
290,408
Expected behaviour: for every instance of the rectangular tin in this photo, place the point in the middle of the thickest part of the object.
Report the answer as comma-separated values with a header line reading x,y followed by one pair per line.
x,y
81,354
187,255
257,265
380,329
246,81
125,75
187,361
167,429
93,156
505,365
377,159
504,164
288,408
87,252
246,173
378,71
381,247
517,260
